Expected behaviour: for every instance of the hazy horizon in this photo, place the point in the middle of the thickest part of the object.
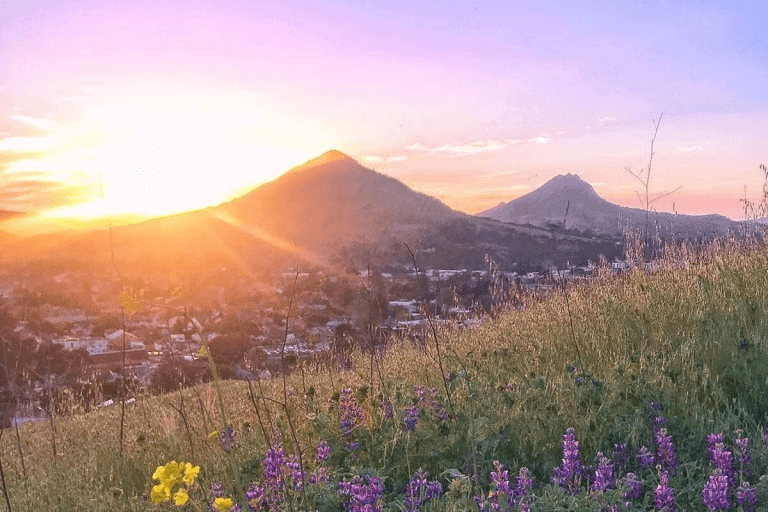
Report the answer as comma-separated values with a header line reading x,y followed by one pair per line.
x,y
138,109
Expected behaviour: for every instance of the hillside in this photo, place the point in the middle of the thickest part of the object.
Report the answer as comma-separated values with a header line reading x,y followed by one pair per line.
x,y
330,211
588,212
683,348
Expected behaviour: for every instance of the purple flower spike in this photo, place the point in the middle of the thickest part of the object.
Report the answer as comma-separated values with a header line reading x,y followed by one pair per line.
x,y
665,495
420,490
741,447
568,474
746,497
323,450
411,417
645,458
362,494
604,474
634,487
352,415
715,494
666,450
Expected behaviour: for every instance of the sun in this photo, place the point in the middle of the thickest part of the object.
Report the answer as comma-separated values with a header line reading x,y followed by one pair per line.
x,y
161,158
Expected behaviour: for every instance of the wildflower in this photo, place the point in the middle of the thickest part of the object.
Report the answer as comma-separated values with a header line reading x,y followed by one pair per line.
x,y
568,474
275,474
511,386
741,447
362,494
202,353
225,505
712,440
323,450
254,497
351,414
411,417
715,493
352,446
665,495
523,488
746,497
604,474
720,457
645,458
666,450
169,477
633,485
227,438
420,490
620,457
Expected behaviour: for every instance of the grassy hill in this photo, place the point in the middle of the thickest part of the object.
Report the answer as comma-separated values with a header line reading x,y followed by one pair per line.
x,y
683,347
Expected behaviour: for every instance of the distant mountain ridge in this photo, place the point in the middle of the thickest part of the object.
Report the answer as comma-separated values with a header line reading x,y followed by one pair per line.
x,y
328,211
588,212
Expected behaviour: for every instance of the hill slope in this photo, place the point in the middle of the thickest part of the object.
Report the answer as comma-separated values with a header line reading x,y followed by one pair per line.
x,y
546,206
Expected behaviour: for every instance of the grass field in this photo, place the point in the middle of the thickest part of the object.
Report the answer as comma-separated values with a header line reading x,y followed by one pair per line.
x,y
679,351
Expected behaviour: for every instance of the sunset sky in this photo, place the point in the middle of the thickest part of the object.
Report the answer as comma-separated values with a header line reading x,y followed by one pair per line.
x,y
153,107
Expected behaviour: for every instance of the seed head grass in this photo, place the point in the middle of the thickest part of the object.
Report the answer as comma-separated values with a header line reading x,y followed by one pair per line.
x,y
688,333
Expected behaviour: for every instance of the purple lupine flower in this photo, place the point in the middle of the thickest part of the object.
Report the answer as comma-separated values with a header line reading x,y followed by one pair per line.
x,y
227,438
420,490
523,488
568,474
352,446
297,475
712,440
510,386
323,450
411,417
620,458
645,458
765,435
723,459
351,414
420,392
665,495
604,475
746,497
321,474
386,408
362,495
483,505
634,487
715,494
741,447
254,497
666,450
275,475
500,480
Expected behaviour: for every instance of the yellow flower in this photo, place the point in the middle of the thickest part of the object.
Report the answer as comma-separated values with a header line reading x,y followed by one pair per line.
x,y
202,353
160,493
213,435
190,473
181,497
223,504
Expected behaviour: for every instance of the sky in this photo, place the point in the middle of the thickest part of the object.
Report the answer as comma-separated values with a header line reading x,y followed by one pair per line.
x,y
153,107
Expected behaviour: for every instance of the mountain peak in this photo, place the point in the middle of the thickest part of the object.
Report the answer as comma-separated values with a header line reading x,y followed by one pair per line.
x,y
329,157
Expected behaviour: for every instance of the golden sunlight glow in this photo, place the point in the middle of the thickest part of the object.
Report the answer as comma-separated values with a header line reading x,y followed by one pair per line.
x,y
153,157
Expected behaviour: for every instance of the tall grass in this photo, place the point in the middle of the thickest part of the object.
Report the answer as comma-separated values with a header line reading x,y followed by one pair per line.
x,y
691,333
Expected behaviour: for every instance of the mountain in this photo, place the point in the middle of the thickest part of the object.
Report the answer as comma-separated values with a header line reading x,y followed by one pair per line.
x,y
587,212
330,211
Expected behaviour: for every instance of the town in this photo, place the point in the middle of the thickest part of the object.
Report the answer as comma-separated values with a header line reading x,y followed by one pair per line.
x,y
70,331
